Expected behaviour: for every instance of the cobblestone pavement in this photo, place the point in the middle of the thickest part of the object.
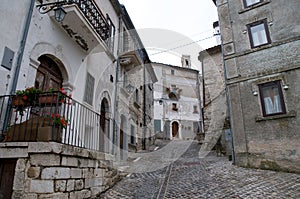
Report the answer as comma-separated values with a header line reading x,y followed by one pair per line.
x,y
211,177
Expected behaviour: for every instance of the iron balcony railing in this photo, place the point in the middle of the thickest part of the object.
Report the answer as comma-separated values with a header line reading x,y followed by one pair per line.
x,y
94,16
51,116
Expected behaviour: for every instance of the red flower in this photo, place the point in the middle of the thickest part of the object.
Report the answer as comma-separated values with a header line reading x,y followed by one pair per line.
x,y
24,97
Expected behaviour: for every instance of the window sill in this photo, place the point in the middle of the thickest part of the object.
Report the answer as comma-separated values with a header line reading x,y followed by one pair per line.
x,y
274,117
254,6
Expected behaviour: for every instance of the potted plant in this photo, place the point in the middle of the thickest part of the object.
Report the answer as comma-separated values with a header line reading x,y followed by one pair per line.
x,y
25,98
53,96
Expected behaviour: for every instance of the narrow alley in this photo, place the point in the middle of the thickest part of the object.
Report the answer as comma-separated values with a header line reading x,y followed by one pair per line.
x,y
211,177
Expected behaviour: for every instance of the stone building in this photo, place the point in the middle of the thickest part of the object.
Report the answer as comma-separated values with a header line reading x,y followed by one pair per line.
x,y
260,41
177,105
79,46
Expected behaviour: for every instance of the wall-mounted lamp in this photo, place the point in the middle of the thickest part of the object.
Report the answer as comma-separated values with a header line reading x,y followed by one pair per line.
x,y
57,6
255,93
285,87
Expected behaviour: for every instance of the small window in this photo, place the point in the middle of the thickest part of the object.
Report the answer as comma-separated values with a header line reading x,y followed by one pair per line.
x,y
132,135
248,3
195,109
89,89
259,33
136,96
271,98
174,107
172,72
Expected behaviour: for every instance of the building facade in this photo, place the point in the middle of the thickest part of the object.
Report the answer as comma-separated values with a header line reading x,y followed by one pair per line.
x,y
177,104
260,42
82,53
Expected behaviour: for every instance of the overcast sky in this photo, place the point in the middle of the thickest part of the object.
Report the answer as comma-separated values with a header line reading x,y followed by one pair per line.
x,y
173,26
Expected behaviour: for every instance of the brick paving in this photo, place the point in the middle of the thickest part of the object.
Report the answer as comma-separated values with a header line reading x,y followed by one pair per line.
x,y
211,177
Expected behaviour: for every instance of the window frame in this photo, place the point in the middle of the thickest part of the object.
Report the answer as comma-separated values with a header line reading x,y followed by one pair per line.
x,y
89,89
249,26
247,6
281,97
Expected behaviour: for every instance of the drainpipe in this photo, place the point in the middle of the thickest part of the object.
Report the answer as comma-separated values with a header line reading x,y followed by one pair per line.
x,y
227,95
22,47
116,85
19,61
144,109
199,97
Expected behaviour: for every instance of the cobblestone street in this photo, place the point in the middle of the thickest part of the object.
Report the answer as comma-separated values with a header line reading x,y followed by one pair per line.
x,y
189,176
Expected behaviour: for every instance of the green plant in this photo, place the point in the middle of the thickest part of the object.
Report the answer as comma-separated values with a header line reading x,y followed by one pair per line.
x,y
28,95
59,120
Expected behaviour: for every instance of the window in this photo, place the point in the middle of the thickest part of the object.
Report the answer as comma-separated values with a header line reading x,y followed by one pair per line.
x,y
111,39
174,107
196,127
172,72
248,3
157,125
136,96
89,89
132,135
271,98
259,33
195,109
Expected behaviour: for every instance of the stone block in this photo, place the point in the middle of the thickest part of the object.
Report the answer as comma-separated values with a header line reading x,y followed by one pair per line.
x,y
79,184
99,173
21,164
54,196
19,180
70,185
69,161
42,186
93,182
95,191
30,196
56,173
33,172
76,173
83,163
81,194
45,160
13,152
60,185
87,173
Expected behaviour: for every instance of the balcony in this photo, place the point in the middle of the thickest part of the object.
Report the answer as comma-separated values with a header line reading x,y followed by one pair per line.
x,y
85,24
49,117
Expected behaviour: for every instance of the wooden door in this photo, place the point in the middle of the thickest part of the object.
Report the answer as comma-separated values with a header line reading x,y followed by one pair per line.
x,y
7,173
48,75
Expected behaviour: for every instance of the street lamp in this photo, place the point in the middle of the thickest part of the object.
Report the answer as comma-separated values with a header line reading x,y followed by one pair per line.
x,y
57,6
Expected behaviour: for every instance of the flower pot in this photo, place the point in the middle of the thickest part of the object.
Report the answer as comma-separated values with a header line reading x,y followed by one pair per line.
x,y
48,99
18,101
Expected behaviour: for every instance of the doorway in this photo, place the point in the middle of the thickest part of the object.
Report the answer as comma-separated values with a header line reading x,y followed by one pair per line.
x,y
7,173
175,127
48,74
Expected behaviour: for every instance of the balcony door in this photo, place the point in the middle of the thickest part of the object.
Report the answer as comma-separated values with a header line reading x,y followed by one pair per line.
x,y
48,74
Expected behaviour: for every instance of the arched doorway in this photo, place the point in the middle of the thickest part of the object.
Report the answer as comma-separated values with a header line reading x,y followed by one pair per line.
x,y
175,128
104,123
48,74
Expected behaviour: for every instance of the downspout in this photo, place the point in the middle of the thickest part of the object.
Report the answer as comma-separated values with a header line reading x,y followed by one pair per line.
x,y
227,95
144,108
199,97
22,47
19,61
116,85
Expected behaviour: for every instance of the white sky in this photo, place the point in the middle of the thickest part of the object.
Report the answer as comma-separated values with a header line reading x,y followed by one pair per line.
x,y
169,24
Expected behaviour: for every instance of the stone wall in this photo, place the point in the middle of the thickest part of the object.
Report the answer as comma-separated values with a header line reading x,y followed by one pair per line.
x,y
52,170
